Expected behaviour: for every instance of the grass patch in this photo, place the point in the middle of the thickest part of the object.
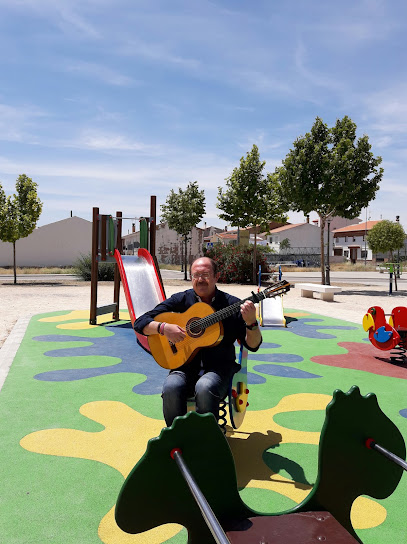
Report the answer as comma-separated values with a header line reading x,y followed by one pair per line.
x,y
164,266
335,267
38,270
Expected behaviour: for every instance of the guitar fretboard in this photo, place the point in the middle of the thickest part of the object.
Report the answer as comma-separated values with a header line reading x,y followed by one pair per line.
x,y
205,322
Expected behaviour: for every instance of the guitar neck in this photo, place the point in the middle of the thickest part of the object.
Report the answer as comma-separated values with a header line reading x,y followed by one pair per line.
x,y
233,308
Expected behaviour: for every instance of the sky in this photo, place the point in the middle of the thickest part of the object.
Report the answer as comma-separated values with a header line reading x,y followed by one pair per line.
x,y
106,102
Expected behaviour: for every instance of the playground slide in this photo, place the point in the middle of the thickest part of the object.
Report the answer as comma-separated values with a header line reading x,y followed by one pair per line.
x,y
272,313
141,284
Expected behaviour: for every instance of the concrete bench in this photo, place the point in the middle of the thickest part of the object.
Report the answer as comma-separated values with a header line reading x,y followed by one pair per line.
x,y
327,291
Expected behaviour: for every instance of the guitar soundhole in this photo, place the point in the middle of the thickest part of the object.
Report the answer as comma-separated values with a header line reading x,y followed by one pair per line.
x,y
194,328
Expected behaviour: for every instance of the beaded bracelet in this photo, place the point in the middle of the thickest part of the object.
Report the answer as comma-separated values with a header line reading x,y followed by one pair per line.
x,y
160,329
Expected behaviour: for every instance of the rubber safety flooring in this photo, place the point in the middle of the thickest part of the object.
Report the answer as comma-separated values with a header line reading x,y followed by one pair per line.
x,y
81,402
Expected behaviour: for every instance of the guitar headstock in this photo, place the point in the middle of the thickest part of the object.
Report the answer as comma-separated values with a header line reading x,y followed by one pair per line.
x,y
276,289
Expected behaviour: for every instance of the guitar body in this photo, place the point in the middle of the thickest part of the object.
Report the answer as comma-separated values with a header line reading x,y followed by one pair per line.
x,y
203,326
173,356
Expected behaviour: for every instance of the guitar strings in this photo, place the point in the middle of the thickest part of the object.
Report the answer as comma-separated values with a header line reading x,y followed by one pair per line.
x,y
202,324
205,322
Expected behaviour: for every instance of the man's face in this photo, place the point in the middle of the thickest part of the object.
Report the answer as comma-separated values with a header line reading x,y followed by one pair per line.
x,y
203,278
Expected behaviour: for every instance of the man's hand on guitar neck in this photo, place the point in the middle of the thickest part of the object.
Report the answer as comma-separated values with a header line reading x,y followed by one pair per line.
x,y
248,311
174,333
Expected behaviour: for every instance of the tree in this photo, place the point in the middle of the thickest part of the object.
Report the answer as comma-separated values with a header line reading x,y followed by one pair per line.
x,y
184,210
251,199
19,213
330,172
285,244
386,236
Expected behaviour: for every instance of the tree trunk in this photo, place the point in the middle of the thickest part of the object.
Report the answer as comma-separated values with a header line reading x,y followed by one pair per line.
x,y
185,258
322,226
14,262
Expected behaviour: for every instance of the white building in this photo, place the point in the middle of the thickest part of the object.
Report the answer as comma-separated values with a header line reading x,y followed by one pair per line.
x,y
55,244
299,237
169,246
351,242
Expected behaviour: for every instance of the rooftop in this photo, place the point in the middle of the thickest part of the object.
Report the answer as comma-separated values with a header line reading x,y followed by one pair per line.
x,y
358,227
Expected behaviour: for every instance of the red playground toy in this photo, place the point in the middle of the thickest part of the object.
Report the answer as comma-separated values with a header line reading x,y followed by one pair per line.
x,y
388,335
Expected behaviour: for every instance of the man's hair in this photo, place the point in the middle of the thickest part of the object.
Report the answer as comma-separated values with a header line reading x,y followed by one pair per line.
x,y
213,263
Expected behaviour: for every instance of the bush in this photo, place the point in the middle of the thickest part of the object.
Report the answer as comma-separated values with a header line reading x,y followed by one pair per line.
x,y
82,267
236,262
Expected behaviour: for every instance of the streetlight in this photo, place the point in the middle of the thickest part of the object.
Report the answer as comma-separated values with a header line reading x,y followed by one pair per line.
x,y
327,268
366,237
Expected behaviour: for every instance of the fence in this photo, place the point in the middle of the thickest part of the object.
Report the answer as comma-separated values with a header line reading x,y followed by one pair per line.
x,y
296,256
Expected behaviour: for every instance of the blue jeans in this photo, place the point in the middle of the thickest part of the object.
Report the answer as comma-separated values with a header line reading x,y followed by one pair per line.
x,y
208,389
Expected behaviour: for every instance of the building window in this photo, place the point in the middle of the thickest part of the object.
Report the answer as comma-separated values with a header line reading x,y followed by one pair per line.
x,y
346,253
346,238
363,254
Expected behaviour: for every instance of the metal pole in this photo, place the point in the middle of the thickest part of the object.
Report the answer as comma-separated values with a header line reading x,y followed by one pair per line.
x,y
397,270
366,237
210,519
371,444
390,279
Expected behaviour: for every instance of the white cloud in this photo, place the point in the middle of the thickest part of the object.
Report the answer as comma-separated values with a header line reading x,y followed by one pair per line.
x,y
102,141
158,52
63,13
16,122
100,72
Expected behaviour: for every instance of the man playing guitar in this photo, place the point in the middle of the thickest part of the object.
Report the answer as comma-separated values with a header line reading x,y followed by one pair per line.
x,y
207,374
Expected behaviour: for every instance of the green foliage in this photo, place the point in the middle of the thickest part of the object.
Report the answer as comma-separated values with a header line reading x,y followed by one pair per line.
x,y
330,172
185,209
82,269
3,201
20,212
386,236
236,262
250,197
285,244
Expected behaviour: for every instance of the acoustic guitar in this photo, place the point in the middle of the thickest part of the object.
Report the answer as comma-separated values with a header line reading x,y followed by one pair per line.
x,y
203,327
